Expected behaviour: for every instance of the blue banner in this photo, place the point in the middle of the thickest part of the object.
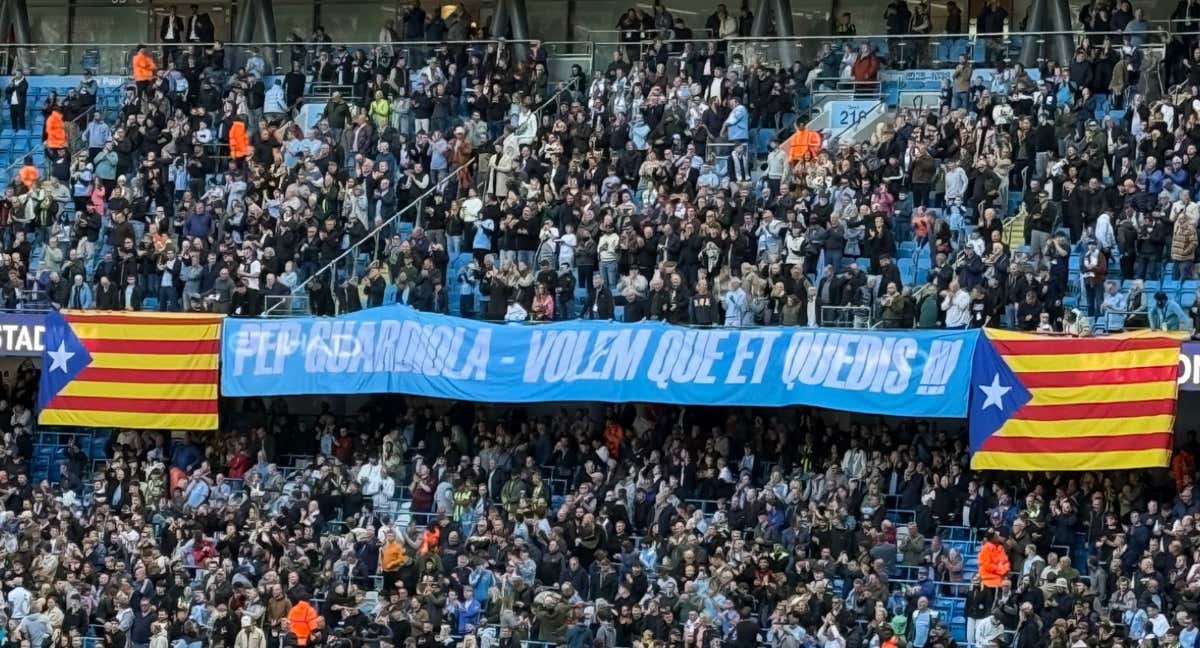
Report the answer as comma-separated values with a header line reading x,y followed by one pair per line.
x,y
395,349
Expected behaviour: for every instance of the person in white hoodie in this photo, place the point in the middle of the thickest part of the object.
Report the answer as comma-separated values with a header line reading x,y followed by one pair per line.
x,y
371,477
1106,238
956,303
854,462
956,182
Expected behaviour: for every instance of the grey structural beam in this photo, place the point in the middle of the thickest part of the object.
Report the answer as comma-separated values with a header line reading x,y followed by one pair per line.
x,y
1031,48
781,12
511,16
260,14
1048,16
14,15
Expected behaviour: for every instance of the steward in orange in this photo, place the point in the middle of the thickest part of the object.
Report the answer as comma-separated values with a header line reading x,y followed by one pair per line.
x,y
993,562
239,142
56,131
303,620
804,144
144,68
28,173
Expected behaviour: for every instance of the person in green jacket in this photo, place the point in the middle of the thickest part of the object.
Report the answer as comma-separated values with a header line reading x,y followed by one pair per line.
x,y
926,298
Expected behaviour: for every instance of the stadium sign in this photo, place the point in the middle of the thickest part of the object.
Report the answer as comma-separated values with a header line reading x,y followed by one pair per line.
x,y
21,334
1189,366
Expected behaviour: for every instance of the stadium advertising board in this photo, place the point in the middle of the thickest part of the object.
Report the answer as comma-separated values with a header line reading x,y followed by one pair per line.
x,y
1189,366
396,349
21,334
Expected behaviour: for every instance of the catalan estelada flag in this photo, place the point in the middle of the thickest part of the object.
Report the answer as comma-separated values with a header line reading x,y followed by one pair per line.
x,y
1056,403
130,370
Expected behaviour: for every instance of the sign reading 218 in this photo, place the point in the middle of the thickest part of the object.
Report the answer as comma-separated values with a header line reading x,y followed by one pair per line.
x,y
844,114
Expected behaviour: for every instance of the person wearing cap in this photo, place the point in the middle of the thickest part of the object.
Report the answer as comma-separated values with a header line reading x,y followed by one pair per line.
x,y
250,635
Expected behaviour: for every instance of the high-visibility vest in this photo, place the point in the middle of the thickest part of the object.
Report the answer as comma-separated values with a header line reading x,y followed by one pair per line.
x,y
56,131
143,67
803,144
239,142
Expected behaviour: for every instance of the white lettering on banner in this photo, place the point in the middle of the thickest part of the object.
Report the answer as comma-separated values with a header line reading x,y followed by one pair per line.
x,y
849,361
841,360
352,347
686,356
559,356
943,358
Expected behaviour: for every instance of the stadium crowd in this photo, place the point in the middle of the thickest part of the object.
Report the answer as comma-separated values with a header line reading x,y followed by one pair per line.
x,y
459,525
641,185
645,185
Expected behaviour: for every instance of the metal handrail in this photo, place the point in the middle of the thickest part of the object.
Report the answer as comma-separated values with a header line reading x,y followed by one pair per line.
x,y
416,202
40,148
543,42
1155,30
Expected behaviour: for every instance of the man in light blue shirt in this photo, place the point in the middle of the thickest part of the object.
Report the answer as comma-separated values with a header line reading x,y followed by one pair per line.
x,y
737,306
1187,636
922,620
708,177
96,134
275,103
255,64
737,124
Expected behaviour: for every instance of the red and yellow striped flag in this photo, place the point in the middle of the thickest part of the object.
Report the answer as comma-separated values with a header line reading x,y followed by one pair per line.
x,y
1078,403
130,370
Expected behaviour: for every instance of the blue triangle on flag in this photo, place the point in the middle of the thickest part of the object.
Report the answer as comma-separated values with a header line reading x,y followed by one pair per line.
x,y
996,393
63,357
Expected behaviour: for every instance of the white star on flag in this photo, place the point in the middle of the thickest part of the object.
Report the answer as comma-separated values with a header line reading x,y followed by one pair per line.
x,y
995,393
60,357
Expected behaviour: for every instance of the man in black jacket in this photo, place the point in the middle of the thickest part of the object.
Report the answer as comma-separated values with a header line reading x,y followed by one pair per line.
x,y
245,301
171,34
131,295
107,296
600,301
143,616
14,96
637,308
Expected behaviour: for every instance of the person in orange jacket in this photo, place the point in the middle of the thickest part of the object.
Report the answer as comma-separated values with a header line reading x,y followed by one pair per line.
x,y
803,144
28,173
239,141
303,619
993,562
56,131
144,69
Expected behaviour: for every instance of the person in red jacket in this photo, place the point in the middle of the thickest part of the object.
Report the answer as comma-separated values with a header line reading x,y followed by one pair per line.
x,y
865,67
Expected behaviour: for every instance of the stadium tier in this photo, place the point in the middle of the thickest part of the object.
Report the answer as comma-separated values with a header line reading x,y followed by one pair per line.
x,y
718,327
